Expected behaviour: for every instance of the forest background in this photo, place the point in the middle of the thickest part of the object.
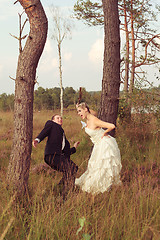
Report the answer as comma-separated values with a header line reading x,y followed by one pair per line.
x,y
143,100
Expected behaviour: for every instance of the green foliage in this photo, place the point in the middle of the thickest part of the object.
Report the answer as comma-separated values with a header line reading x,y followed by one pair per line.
x,y
6,102
69,96
91,13
46,98
49,99
86,236
81,222
142,101
124,110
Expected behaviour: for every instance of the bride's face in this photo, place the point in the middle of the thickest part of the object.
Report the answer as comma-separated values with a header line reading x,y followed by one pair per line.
x,y
82,112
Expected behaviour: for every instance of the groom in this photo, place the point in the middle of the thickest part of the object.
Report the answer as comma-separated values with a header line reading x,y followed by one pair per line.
x,y
58,151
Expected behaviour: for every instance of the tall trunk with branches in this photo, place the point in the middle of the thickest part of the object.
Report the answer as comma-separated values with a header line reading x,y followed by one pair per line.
x,y
126,77
62,29
133,51
60,76
111,68
19,164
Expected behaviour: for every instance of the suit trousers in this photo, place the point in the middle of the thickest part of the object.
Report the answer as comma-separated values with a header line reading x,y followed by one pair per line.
x,y
65,165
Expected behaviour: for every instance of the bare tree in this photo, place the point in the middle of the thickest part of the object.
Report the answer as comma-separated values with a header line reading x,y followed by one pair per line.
x,y
19,164
21,28
61,29
126,55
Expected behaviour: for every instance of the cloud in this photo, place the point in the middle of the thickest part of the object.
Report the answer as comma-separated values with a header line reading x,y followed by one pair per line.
x,y
48,60
157,40
96,53
54,63
48,48
48,64
67,56
9,10
1,68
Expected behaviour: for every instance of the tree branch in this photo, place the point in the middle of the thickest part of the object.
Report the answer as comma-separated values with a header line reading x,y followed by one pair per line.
x,y
151,40
12,78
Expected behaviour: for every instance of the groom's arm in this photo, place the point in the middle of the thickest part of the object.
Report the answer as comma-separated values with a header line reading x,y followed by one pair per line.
x,y
44,133
73,149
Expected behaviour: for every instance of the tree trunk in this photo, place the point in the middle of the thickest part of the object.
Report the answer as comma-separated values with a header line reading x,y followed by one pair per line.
x,y
18,169
111,68
133,52
60,75
127,50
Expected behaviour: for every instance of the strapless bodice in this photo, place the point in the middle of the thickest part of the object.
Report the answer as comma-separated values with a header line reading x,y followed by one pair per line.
x,y
95,134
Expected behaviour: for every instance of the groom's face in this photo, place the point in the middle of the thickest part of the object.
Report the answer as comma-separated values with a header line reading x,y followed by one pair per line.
x,y
58,119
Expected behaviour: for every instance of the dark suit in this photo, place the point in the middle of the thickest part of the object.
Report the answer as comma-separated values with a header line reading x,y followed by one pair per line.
x,y
55,157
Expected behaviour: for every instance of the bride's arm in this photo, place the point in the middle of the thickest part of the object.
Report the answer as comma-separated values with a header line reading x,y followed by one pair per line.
x,y
102,124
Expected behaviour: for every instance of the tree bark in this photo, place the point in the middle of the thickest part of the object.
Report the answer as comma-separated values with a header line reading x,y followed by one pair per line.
x,y
127,50
133,52
19,164
111,68
60,76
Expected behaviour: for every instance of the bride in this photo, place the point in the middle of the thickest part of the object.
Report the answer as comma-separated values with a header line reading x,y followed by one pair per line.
x,y
104,164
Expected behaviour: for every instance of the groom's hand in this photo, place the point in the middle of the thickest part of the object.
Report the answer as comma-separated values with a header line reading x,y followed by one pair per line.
x,y
34,143
76,144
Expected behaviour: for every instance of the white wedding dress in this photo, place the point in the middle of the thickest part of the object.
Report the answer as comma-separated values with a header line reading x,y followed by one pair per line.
x,y
104,164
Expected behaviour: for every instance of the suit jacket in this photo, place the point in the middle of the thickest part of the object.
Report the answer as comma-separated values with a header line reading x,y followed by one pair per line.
x,y
55,132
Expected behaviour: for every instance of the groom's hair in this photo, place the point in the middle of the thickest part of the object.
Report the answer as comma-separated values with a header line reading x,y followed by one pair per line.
x,y
53,117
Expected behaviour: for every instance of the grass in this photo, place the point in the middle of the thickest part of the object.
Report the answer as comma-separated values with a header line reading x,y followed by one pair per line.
x,y
128,212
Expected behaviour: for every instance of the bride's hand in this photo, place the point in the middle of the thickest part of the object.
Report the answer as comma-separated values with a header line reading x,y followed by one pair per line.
x,y
105,134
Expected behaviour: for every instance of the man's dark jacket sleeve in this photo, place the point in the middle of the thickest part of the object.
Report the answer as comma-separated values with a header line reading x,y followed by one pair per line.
x,y
67,150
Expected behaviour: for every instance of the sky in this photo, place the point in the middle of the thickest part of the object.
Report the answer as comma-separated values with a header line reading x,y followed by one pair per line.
x,y
82,55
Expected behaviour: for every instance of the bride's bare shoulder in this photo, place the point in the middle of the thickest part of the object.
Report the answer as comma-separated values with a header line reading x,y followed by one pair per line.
x,y
95,120
94,113
93,117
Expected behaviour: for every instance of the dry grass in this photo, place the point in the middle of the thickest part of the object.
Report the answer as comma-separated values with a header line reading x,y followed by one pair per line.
x,y
128,212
